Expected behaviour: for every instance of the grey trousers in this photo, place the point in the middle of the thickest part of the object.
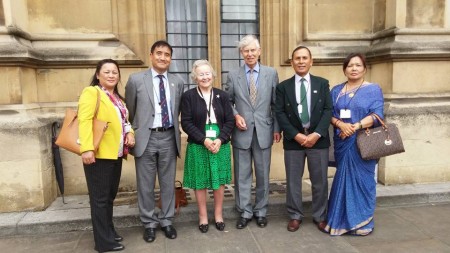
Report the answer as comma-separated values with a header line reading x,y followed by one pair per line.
x,y
159,158
294,161
243,177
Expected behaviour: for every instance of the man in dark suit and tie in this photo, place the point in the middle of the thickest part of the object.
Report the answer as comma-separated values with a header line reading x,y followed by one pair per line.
x,y
153,99
304,109
252,95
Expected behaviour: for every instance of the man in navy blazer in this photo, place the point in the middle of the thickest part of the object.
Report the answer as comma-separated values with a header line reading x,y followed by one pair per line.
x,y
256,130
304,109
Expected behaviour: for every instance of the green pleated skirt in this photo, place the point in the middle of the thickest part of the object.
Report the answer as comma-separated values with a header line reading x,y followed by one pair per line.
x,y
205,170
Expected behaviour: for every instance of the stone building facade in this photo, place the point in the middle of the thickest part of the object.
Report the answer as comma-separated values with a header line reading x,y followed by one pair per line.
x,y
48,51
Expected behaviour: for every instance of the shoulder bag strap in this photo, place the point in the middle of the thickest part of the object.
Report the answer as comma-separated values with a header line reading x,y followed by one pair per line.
x,y
379,119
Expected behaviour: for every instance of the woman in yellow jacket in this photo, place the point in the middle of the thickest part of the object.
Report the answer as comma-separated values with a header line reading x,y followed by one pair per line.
x,y
103,167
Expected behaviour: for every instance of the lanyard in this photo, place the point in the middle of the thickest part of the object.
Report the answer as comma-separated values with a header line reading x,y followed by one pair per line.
x,y
345,97
208,107
117,102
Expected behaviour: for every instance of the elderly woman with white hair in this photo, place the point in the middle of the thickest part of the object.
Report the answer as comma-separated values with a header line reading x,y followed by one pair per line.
x,y
207,118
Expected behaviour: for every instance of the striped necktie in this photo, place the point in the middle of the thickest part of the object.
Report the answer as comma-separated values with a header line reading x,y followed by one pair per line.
x,y
163,103
253,90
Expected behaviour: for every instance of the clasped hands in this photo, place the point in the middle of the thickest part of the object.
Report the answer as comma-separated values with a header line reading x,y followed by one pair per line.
x,y
347,129
213,145
307,141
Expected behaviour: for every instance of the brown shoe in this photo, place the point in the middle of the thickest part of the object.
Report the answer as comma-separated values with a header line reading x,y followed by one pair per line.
x,y
293,225
321,226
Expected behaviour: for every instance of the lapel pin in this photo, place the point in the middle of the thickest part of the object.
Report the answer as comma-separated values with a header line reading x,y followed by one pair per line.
x,y
315,91
218,96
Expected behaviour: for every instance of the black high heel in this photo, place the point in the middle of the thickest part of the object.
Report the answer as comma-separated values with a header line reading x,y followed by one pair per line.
x,y
203,228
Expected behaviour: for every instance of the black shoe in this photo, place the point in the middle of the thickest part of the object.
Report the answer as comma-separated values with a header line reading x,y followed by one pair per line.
x,y
169,231
261,221
117,248
220,226
242,222
149,235
117,237
203,228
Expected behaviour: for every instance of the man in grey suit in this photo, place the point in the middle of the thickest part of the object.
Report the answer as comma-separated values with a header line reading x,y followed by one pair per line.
x,y
252,95
153,100
304,109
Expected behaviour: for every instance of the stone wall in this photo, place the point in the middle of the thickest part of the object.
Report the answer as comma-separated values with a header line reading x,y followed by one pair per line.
x,y
50,47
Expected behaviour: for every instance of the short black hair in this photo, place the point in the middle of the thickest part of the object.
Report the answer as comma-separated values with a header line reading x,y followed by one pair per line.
x,y
301,47
161,43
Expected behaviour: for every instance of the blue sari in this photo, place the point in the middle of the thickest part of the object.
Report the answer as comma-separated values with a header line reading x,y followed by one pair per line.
x,y
352,198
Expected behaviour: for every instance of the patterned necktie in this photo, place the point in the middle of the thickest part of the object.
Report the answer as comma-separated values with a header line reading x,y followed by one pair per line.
x,y
252,88
304,115
163,103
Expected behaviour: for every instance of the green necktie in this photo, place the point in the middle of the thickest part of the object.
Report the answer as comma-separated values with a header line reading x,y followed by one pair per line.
x,y
304,116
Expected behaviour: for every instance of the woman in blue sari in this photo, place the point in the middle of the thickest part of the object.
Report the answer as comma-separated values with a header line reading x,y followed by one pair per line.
x,y
352,199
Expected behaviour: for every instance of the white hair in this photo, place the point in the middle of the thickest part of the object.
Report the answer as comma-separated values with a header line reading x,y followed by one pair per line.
x,y
199,63
248,40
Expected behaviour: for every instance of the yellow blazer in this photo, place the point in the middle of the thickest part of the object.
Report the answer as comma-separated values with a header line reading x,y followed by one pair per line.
x,y
109,145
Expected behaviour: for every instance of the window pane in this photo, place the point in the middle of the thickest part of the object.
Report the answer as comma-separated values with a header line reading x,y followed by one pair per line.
x,y
239,18
239,2
187,33
228,65
229,40
248,28
230,53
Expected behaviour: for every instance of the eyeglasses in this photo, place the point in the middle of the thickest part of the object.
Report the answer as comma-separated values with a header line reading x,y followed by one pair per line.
x,y
204,74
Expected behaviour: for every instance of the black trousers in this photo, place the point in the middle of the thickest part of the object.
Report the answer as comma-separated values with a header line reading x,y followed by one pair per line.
x,y
102,178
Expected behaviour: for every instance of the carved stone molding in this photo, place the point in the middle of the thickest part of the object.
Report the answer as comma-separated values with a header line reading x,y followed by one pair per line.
x,y
125,37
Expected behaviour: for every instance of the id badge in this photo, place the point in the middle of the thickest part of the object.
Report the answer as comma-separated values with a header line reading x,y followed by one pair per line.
x,y
346,114
211,133
300,109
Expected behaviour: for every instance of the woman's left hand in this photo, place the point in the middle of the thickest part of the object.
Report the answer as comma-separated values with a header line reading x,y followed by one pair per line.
x,y
348,130
88,157
216,146
129,140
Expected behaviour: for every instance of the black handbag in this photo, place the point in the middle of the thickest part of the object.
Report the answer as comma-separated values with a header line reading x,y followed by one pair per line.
x,y
381,141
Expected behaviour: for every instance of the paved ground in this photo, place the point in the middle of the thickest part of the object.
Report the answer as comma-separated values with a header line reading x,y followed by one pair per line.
x,y
423,228
408,218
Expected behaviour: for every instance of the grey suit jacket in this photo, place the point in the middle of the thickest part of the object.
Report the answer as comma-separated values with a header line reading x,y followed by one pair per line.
x,y
141,106
262,116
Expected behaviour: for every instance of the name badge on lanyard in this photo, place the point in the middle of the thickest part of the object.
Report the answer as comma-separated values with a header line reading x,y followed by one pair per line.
x,y
345,114
211,133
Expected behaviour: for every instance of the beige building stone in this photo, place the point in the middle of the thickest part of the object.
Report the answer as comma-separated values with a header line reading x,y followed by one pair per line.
x,y
49,49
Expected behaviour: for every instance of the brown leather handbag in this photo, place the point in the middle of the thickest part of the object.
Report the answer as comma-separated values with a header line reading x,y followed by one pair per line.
x,y
68,136
380,141
180,196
